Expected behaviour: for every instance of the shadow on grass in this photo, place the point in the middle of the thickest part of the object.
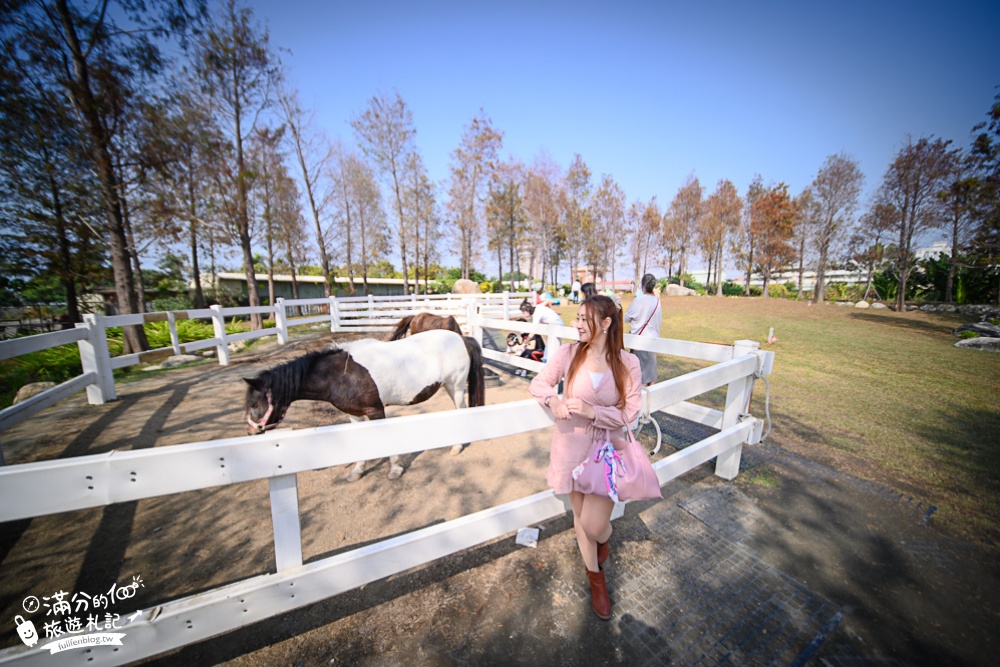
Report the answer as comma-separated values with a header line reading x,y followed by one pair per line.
x,y
912,323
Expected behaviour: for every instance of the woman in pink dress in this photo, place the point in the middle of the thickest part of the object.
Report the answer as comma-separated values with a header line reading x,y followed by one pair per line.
x,y
602,395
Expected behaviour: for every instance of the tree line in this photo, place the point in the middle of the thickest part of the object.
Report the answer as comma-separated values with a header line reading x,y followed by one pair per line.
x,y
168,123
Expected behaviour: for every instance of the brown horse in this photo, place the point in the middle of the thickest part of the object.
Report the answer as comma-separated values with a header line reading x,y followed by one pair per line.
x,y
424,322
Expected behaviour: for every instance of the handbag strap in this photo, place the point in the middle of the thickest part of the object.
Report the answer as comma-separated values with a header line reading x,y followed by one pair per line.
x,y
650,318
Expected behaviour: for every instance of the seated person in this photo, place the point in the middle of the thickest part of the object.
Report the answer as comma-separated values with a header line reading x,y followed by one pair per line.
x,y
533,346
514,345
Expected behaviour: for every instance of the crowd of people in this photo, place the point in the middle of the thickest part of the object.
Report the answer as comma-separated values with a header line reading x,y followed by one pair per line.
x,y
601,386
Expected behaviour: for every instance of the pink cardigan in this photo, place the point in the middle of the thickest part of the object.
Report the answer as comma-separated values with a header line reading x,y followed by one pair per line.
x,y
573,437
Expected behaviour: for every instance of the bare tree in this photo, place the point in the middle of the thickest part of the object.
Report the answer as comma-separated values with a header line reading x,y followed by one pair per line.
x,y
685,212
911,186
385,133
835,192
473,163
720,221
237,68
359,216
773,214
959,203
312,155
544,205
609,222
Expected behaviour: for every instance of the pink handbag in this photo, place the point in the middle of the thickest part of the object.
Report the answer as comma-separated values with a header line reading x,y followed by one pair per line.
x,y
617,468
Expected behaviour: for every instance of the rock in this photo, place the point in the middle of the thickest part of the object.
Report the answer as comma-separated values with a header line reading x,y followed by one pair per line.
x,y
946,308
878,306
238,346
464,286
32,389
984,329
985,344
677,290
927,308
179,360
910,308
862,304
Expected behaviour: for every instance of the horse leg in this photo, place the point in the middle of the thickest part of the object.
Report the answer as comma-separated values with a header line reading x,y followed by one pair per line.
x,y
458,397
359,468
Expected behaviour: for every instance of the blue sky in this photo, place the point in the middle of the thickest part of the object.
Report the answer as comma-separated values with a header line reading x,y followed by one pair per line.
x,y
652,92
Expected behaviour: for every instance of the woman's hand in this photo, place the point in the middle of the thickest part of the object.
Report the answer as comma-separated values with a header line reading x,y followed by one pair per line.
x,y
577,406
558,407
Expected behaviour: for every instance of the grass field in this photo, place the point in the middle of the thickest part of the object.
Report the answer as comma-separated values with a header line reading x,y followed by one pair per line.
x,y
881,395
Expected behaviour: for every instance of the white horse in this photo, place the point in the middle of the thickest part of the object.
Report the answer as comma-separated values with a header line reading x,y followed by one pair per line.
x,y
361,378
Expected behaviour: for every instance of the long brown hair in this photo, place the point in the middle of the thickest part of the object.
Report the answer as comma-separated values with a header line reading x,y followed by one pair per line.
x,y
599,307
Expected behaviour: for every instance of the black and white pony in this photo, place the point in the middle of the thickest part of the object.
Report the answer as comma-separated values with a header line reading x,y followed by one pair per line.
x,y
361,378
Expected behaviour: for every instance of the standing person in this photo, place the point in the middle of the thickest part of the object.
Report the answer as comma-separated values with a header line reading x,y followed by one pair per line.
x,y
575,291
602,395
645,315
541,314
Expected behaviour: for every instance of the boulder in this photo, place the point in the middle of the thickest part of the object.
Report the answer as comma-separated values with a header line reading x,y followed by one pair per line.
x,y
677,290
464,286
862,304
984,329
878,305
985,344
32,389
179,360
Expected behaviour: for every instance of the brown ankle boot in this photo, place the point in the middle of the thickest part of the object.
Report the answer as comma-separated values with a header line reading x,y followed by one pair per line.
x,y
599,594
602,552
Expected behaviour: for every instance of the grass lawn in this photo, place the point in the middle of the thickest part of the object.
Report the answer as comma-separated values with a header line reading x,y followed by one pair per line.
x,y
881,395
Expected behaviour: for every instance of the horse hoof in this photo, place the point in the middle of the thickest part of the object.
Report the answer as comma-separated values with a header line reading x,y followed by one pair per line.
x,y
457,449
395,472
354,476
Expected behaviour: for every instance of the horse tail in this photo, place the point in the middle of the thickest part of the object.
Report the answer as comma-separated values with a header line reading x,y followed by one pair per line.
x,y
477,378
401,328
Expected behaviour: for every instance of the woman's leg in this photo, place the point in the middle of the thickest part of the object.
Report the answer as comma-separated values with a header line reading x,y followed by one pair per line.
x,y
592,523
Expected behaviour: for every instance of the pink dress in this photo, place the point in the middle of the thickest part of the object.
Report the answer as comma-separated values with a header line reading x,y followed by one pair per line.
x,y
573,437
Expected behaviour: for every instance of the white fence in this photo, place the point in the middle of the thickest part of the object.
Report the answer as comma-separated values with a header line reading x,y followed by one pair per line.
x,y
353,314
48,487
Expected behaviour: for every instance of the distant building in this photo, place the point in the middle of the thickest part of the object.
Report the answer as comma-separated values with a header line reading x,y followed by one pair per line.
x,y
584,275
933,251
310,287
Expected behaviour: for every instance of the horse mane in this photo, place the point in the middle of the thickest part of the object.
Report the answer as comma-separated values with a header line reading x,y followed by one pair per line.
x,y
286,380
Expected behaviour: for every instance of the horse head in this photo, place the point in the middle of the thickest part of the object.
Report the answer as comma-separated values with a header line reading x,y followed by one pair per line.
x,y
260,411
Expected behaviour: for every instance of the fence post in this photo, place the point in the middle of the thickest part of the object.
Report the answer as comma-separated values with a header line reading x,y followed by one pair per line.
x,y
334,315
172,326
506,305
285,520
219,324
371,307
281,320
727,465
96,358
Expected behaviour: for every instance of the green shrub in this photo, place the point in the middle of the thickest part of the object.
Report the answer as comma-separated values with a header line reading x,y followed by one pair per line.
x,y
777,291
968,334
729,288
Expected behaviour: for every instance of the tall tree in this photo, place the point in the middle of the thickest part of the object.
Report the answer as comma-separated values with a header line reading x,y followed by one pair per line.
x,y
835,192
359,216
48,196
911,185
472,167
609,222
505,215
237,68
985,158
385,133
959,204
720,221
312,155
93,56
544,206
869,250
643,228
685,212
580,216
744,243
805,221
773,214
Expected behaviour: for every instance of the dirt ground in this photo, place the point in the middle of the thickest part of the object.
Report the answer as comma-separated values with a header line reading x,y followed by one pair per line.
x,y
186,543
909,594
